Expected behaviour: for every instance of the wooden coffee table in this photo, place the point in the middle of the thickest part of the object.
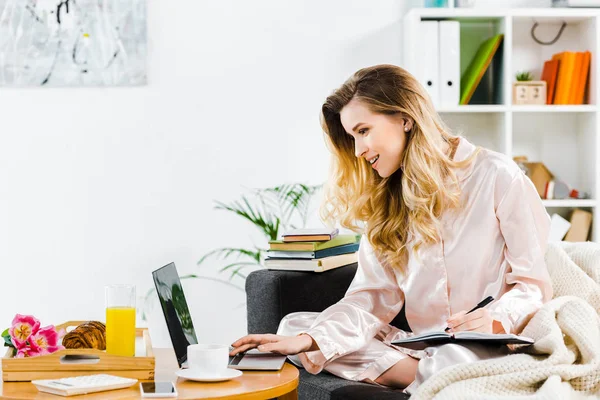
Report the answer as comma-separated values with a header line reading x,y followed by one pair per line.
x,y
252,385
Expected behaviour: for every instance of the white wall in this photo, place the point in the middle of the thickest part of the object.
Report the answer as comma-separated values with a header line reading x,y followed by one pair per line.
x,y
102,186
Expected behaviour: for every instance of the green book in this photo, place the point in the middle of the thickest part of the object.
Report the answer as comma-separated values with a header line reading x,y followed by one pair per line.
x,y
474,72
313,246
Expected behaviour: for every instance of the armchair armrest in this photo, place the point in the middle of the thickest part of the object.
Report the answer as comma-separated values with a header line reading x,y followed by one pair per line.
x,y
272,294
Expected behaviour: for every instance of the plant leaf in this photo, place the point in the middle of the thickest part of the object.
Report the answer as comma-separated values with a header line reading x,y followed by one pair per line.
x,y
226,252
8,341
245,264
235,272
268,209
290,199
245,210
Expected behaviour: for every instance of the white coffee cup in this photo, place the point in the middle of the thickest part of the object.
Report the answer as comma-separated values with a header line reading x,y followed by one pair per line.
x,y
208,359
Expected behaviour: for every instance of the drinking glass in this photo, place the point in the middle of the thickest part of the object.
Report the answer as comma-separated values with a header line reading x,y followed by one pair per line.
x,y
120,320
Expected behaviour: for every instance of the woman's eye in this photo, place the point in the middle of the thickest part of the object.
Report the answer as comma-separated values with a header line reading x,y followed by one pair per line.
x,y
363,131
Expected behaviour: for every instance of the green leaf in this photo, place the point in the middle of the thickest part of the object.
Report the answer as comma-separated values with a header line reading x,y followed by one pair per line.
x,y
5,332
245,264
245,210
524,76
226,252
268,209
294,199
7,341
236,272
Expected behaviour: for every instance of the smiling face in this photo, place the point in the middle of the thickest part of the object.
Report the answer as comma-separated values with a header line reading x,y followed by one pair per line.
x,y
378,138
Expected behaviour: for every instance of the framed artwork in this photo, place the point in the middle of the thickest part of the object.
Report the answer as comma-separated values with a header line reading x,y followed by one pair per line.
x,y
72,42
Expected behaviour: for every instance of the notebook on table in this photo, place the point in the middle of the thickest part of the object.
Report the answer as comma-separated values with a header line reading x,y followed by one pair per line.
x,y
420,342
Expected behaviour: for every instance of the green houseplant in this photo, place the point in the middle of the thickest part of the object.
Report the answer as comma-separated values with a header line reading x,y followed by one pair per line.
x,y
524,76
271,210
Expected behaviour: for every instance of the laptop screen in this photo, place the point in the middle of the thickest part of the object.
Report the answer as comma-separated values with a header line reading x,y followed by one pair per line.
x,y
175,309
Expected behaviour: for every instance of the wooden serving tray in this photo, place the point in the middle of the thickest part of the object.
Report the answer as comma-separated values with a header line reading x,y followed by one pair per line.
x,y
75,362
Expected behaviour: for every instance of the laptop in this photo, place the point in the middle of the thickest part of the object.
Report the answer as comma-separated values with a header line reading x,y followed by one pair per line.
x,y
182,332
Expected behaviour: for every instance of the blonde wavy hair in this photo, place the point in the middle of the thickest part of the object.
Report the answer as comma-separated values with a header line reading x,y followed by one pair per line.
x,y
406,206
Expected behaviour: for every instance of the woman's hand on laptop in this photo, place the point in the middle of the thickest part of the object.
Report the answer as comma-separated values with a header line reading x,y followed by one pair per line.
x,y
288,345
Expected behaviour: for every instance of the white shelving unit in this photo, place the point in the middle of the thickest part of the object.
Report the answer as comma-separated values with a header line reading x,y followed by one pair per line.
x,y
564,137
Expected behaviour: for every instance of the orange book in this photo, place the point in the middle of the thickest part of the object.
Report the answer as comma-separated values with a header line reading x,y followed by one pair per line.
x,y
565,77
561,63
583,78
574,89
549,74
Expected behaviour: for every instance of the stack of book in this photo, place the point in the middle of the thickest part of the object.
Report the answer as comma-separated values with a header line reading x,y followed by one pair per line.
x,y
566,76
314,250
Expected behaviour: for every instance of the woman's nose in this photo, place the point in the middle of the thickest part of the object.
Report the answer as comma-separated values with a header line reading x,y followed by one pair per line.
x,y
359,149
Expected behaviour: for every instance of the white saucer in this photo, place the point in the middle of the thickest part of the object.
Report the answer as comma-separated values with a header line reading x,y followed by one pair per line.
x,y
204,377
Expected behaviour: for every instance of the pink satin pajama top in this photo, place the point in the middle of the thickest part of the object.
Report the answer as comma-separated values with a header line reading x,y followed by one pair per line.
x,y
493,246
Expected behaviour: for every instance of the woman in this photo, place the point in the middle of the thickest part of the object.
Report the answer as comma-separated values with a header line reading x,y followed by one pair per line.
x,y
446,224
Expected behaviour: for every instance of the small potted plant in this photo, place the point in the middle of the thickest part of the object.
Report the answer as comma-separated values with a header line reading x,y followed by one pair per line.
x,y
528,91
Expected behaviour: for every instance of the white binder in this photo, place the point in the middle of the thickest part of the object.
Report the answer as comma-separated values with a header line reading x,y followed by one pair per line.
x,y
428,65
449,63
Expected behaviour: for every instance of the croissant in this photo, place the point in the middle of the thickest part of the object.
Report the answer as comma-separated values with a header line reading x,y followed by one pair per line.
x,y
89,335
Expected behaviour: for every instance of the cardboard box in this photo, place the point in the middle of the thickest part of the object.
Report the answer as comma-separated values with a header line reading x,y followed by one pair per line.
x,y
580,226
539,175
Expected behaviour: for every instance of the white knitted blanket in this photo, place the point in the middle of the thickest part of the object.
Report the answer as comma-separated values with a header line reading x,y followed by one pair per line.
x,y
564,362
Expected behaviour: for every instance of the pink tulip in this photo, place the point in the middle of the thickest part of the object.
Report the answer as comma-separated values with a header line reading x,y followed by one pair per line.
x,y
30,341
45,341
27,352
23,326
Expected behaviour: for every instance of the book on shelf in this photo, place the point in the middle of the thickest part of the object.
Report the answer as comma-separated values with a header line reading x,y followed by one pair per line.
x,y
420,342
566,76
477,67
318,265
312,246
574,89
332,251
309,235
549,75
583,75
566,62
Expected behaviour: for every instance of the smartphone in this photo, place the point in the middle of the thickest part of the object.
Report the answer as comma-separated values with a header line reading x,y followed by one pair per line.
x,y
158,389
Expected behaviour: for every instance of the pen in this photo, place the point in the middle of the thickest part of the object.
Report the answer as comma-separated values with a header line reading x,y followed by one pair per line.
x,y
481,304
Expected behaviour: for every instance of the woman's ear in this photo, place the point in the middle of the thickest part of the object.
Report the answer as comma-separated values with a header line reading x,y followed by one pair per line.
x,y
408,124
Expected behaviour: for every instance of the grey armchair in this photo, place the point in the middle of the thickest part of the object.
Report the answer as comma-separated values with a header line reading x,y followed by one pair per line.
x,y
273,294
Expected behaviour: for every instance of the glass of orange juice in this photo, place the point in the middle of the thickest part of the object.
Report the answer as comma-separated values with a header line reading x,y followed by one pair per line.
x,y
120,320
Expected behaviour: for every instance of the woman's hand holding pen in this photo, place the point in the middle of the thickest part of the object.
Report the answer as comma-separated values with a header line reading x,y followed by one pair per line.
x,y
477,321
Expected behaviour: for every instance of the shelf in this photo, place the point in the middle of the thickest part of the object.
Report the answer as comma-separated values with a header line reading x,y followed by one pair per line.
x,y
560,13
572,203
554,108
566,138
499,108
485,108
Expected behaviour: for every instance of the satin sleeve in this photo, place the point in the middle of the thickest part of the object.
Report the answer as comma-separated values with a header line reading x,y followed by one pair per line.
x,y
373,299
525,226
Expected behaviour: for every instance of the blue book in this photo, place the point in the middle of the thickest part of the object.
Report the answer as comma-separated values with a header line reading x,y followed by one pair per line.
x,y
313,255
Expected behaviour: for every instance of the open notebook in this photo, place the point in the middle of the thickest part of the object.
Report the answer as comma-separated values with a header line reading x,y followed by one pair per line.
x,y
419,342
